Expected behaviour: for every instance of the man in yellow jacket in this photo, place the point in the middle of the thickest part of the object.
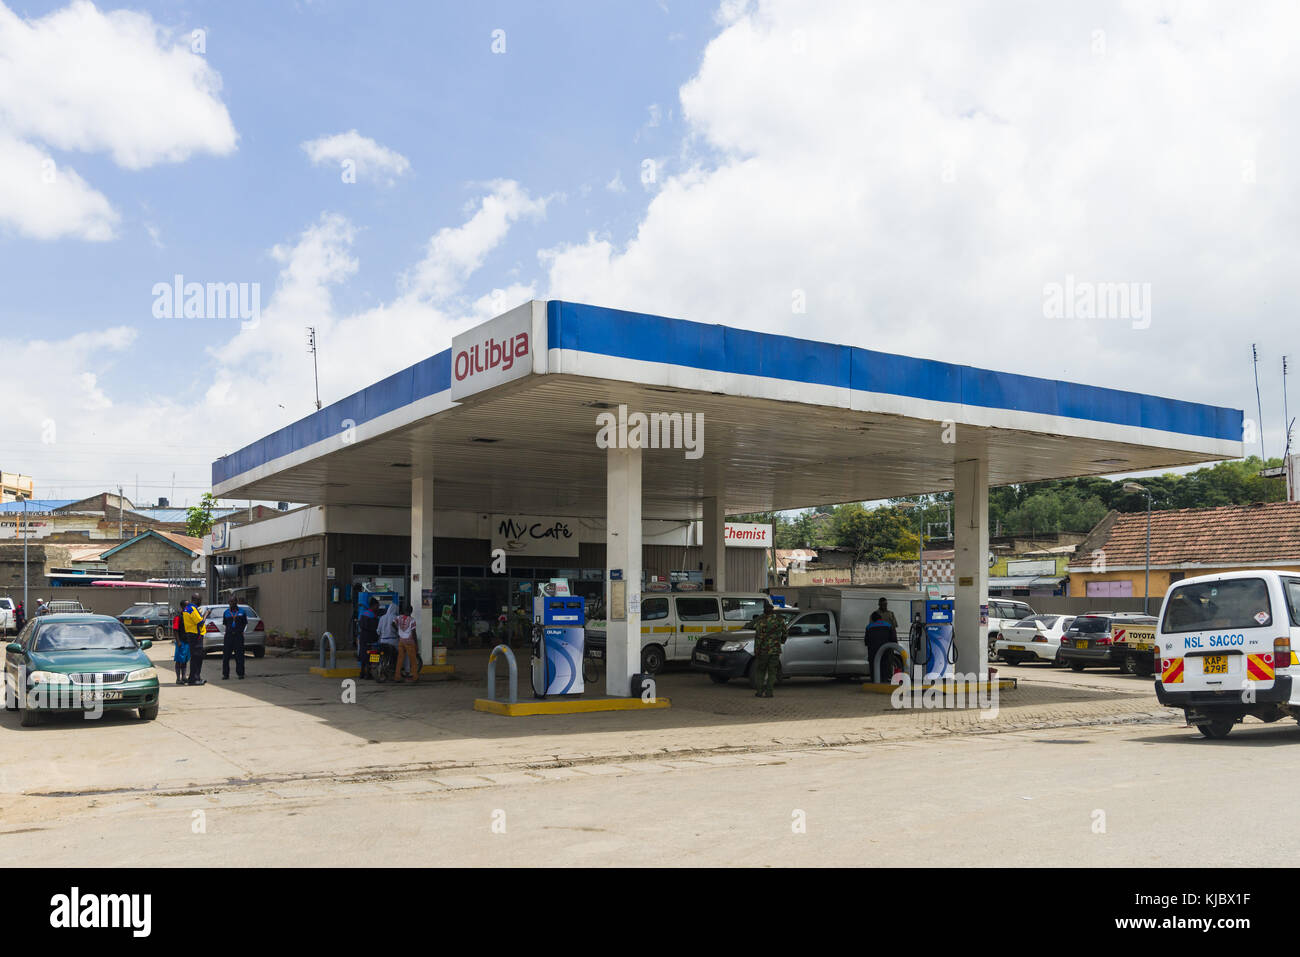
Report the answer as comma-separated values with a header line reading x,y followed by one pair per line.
x,y
192,622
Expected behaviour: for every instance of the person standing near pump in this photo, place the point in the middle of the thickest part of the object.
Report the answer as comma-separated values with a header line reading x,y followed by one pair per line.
x,y
20,619
234,620
407,647
883,607
770,631
880,632
192,621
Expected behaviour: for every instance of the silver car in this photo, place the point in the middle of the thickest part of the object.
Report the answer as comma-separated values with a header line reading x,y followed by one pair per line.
x,y
214,630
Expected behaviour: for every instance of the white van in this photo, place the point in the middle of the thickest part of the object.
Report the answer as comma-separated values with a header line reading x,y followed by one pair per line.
x,y
672,622
1225,648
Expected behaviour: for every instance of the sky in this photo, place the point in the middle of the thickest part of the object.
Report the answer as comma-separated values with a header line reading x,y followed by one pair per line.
x,y
912,178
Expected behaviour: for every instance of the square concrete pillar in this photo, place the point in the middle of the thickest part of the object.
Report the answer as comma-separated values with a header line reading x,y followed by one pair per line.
x,y
622,570
422,557
970,518
715,544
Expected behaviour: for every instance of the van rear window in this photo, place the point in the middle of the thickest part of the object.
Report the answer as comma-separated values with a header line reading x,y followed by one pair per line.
x,y
1210,606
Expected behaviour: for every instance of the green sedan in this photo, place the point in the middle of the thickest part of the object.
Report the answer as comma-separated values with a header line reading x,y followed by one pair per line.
x,y
78,662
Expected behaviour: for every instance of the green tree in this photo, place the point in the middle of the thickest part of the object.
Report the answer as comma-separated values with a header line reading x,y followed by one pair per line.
x,y
198,519
873,535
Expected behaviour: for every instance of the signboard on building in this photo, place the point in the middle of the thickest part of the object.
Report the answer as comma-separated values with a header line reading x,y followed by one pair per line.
x,y
1035,567
496,352
12,527
535,535
745,535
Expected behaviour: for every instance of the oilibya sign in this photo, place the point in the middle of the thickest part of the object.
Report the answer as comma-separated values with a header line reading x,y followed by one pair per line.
x,y
501,350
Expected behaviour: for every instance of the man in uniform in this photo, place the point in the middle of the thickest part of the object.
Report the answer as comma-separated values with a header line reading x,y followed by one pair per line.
x,y
887,615
770,632
192,622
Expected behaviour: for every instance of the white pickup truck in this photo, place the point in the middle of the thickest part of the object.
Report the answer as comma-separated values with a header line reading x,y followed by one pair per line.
x,y
8,623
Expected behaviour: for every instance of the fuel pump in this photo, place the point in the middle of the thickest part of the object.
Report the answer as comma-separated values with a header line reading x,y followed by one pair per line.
x,y
558,626
940,649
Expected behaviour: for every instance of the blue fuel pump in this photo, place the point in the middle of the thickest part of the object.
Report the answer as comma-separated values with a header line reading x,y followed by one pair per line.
x,y
558,628
940,649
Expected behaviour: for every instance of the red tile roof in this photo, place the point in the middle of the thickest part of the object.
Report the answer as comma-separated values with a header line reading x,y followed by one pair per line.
x,y
1227,535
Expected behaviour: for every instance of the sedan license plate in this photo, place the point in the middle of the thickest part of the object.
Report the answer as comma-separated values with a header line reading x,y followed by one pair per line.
x,y
101,696
701,656
1015,647
1081,644
1214,665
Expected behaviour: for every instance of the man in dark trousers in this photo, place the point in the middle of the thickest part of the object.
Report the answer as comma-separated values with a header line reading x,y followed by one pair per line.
x,y
192,622
367,635
234,620
20,618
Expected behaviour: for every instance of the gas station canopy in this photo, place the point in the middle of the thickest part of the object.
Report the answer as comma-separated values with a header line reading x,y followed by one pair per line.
x,y
506,421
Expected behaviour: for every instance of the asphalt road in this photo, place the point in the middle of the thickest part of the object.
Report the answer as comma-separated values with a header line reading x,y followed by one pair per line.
x,y
1141,795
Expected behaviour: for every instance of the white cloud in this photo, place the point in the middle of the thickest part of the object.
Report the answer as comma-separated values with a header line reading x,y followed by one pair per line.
x,y
371,160
921,174
81,80
455,252
44,201
615,185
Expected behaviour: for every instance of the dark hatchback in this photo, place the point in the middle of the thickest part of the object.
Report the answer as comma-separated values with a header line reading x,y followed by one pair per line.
x,y
1090,641
149,620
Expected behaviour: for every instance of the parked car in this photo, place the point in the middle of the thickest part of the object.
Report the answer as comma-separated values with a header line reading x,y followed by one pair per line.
x,y
214,630
1090,640
1035,638
8,622
60,661
149,619
1003,612
671,624
1225,649
65,606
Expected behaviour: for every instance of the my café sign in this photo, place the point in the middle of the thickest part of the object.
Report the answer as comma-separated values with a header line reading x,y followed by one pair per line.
x,y
535,535
501,350
744,535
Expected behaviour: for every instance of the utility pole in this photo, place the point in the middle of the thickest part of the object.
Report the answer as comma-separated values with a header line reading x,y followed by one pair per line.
x,y
119,513
1259,404
311,347
26,605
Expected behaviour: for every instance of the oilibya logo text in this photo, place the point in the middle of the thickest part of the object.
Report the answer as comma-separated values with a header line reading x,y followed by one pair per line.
x,y
490,355
658,430
75,910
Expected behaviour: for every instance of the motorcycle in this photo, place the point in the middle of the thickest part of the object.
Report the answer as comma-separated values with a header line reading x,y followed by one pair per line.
x,y
383,662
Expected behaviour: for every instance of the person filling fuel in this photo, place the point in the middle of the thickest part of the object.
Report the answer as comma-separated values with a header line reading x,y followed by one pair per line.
x,y
880,632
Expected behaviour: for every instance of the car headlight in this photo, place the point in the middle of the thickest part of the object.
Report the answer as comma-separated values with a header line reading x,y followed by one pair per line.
x,y
50,678
144,674
736,646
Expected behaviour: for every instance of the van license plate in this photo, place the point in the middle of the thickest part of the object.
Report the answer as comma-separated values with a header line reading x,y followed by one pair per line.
x,y
1214,665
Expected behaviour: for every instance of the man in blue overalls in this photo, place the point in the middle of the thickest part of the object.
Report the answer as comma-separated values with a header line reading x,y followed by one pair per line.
x,y
234,620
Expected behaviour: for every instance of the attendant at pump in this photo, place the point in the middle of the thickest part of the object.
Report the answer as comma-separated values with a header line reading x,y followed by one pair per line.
x,y
192,621
887,615
880,632
770,633
234,620
408,650
367,635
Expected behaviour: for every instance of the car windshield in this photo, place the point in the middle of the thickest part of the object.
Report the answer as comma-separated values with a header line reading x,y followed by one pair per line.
x,y
1090,626
84,636
1205,606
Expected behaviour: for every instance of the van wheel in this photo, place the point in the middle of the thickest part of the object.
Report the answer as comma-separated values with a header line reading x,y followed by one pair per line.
x,y
719,679
652,659
1216,729
1076,666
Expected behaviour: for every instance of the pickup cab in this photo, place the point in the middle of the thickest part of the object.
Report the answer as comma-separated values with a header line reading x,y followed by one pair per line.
x,y
815,648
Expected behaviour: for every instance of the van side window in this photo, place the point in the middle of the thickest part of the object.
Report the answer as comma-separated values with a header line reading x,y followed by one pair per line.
x,y
697,609
1292,588
653,609
741,609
